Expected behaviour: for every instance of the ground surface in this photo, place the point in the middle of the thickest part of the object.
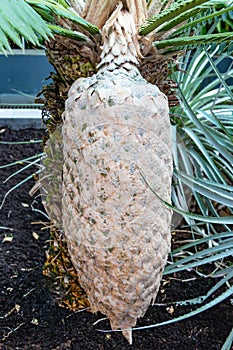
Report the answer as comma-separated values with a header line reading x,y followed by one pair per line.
x,y
30,317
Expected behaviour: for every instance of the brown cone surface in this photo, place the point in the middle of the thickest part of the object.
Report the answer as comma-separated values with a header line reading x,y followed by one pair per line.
x,y
117,135
117,161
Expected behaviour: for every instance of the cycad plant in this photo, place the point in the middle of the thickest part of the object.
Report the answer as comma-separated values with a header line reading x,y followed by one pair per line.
x,y
115,146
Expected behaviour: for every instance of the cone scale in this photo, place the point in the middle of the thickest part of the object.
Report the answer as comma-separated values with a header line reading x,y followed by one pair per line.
x,y
116,141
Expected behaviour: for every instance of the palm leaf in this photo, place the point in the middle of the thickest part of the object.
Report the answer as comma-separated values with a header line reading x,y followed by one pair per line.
x,y
218,192
180,24
204,19
14,27
177,8
57,9
229,341
203,152
67,33
174,22
195,40
4,44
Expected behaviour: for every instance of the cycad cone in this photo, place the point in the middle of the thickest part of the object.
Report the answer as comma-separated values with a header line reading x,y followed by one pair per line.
x,y
117,140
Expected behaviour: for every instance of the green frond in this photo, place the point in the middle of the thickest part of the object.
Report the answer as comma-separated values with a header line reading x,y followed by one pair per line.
x,y
64,3
216,15
67,33
53,8
173,11
4,44
14,27
203,140
174,22
195,40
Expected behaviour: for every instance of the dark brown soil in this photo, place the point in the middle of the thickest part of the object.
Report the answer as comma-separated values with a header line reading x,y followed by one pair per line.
x,y
29,315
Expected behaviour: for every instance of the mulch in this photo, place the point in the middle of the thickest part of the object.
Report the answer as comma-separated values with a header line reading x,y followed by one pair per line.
x,y
30,317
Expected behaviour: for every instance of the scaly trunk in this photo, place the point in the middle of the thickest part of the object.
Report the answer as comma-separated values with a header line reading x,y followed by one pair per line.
x,y
117,140
71,60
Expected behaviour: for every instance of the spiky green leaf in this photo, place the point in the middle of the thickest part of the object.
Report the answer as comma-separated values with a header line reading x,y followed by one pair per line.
x,y
215,15
18,20
56,9
194,41
67,33
176,9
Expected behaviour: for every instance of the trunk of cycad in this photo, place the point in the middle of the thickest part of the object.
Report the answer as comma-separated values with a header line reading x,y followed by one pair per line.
x,y
117,141
71,60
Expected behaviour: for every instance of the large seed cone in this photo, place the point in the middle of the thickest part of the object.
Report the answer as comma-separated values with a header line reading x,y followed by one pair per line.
x,y
117,155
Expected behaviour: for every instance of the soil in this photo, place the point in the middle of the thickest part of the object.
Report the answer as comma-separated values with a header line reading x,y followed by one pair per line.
x,y
30,317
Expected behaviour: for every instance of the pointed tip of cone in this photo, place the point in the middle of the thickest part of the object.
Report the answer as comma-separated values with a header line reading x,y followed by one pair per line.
x,y
128,335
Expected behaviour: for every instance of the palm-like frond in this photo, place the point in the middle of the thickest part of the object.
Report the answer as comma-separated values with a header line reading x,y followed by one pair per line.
x,y
57,9
38,19
203,149
171,25
177,26
176,9
67,33
194,40
14,27
212,15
